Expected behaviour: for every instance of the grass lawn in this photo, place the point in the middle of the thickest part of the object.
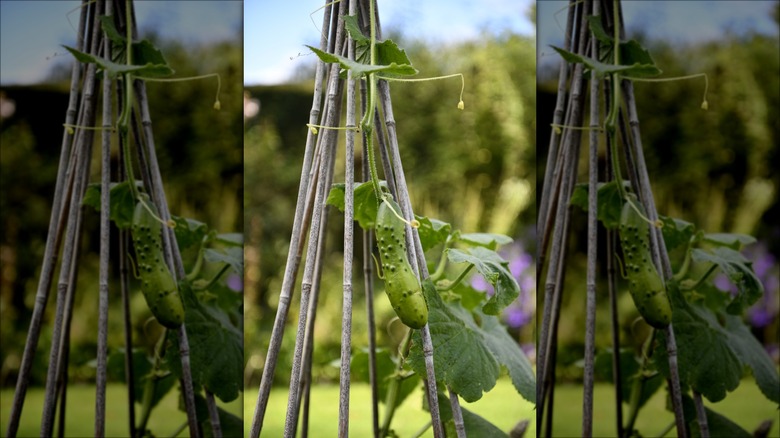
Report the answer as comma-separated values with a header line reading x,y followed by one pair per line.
x,y
164,421
502,406
746,406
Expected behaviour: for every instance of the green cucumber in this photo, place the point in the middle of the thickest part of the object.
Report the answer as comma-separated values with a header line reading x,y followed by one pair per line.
x,y
401,284
645,284
157,283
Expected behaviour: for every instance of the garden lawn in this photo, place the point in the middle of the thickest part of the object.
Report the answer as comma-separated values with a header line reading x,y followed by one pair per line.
x,y
164,421
746,406
502,406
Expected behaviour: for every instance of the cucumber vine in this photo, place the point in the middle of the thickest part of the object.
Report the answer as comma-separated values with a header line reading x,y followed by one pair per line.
x,y
434,301
200,298
705,320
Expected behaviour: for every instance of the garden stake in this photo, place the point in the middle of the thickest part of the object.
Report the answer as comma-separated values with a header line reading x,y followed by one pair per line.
x,y
590,308
568,156
639,180
82,152
71,184
349,213
558,113
327,153
105,208
296,244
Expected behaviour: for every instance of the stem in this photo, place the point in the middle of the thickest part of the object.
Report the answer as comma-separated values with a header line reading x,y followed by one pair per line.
x,y
217,277
422,430
685,266
179,429
703,277
365,123
636,389
394,384
151,384
666,430
437,274
217,104
369,137
193,274
462,83
457,280
124,118
704,103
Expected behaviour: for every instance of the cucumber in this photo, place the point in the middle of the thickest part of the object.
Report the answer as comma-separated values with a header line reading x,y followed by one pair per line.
x,y
157,283
402,286
645,284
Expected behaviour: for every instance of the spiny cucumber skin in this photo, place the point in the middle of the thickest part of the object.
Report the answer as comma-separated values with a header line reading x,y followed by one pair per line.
x,y
157,283
646,286
402,286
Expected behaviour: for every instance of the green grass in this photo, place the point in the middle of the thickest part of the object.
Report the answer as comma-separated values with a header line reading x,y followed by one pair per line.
x,y
502,406
80,413
746,406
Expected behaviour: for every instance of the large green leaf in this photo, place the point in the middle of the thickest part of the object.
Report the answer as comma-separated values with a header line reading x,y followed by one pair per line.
x,y
475,425
121,202
360,69
493,268
739,270
432,231
233,256
734,241
230,425
487,240
469,349
676,232
365,202
216,347
719,426
714,348
156,68
189,231
609,202
635,70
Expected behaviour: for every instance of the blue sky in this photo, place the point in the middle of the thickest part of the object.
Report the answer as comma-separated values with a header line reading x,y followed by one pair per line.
x,y
679,22
31,32
276,32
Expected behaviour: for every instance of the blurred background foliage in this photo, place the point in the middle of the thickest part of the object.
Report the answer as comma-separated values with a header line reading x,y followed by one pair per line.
x,y
200,157
474,169
714,168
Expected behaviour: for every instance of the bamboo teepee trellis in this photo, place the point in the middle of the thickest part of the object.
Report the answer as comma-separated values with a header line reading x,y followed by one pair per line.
x,y
66,224
311,215
554,220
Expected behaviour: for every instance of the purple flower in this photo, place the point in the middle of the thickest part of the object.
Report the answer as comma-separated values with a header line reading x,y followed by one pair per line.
x,y
765,310
235,282
521,266
723,283
530,350
478,283
518,265
759,316
515,316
